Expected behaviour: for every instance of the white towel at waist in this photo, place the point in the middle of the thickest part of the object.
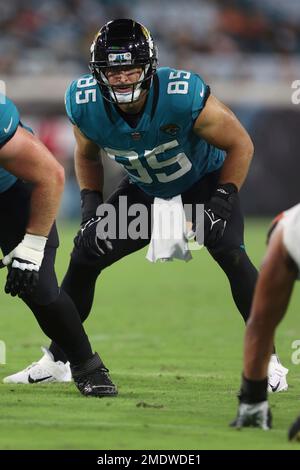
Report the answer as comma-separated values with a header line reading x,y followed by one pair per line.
x,y
169,232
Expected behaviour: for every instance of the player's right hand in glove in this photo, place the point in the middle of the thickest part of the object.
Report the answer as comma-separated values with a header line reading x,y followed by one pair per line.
x,y
88,237
217,212
24,263
257,415
253,408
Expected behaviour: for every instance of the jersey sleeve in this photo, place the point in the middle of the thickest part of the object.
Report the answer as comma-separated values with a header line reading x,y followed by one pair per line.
x,y
201,94
186,93
81,104
69,100
9,119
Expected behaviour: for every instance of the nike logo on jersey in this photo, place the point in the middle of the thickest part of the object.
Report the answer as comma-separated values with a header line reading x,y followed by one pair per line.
x,y
202,91
35,381
7,129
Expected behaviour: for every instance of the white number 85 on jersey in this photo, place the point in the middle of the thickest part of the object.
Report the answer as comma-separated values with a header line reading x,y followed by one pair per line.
x,y
133,163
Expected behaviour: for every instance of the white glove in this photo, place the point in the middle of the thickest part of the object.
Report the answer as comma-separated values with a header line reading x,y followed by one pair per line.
x,y
25,260
31,250
257,415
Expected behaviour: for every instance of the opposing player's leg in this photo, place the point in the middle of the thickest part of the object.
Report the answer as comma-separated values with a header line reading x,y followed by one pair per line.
x,y
85,268
272,294
231,256
270,301
52,307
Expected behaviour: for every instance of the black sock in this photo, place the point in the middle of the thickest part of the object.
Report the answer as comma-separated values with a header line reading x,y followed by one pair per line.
x,y
57,352
253,391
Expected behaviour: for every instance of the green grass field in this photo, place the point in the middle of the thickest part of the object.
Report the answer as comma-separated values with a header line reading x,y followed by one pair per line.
x,y
172,339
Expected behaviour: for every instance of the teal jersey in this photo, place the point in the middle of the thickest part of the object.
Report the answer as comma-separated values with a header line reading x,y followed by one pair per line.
x,y
162,154
9,121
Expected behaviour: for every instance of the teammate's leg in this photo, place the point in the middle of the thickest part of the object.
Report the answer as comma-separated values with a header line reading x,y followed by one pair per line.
x,y
57,314
84,269
53,309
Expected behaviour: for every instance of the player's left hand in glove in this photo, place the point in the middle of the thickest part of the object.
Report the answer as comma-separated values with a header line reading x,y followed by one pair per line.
x,y
89,237
24,263
257,415
217,212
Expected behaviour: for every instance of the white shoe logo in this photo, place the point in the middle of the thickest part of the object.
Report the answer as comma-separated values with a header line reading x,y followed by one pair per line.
x,y
202,91
275,387
7,129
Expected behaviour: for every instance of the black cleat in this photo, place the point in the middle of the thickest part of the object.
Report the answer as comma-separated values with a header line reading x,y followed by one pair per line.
x,y
96,384
92,379
294,431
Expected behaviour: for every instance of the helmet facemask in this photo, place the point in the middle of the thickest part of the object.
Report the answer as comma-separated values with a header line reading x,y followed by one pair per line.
x,y
134,48
111,93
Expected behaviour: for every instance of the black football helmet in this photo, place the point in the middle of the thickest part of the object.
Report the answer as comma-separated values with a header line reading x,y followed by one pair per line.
x,y
123,43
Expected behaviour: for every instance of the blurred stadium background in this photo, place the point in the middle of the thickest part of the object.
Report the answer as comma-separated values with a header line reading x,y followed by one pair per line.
x,y
247,50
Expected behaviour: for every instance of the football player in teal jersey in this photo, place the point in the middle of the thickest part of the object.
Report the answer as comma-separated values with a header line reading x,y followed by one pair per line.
x,y
28,239
172,137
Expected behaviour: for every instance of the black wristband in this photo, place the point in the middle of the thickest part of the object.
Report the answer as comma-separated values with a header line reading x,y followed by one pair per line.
x,y
253,391
225,190
90,200
223,200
